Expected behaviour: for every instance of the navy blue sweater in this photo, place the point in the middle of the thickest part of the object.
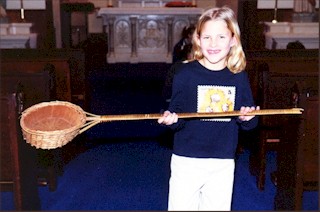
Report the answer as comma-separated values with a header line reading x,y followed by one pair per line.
x,y
198,89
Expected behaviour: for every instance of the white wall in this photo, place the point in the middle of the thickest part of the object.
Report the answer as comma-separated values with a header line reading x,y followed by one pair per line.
x,y
27,4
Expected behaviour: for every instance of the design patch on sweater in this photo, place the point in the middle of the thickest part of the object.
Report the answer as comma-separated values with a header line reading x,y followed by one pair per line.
x,y
216,99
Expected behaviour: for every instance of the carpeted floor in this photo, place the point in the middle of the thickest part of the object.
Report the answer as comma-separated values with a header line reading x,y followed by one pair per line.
x,y
133,175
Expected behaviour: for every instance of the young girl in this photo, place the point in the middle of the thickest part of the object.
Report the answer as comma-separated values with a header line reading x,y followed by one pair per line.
x,y
202,163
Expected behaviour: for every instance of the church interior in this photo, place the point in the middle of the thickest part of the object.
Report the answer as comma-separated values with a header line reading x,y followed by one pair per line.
x,y
112,57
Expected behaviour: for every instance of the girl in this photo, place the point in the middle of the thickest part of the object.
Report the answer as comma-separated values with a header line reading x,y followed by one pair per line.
x,y
202,163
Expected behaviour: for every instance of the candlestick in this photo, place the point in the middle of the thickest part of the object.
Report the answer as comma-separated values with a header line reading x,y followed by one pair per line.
x,y
275,12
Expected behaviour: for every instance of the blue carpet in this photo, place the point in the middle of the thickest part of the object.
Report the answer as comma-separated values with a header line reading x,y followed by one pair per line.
x,y
116,176
134,176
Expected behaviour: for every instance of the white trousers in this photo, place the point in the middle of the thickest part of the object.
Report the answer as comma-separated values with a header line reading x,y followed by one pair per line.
x,y
200,184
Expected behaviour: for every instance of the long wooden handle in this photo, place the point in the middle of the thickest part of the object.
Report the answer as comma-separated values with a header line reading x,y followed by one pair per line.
x,y
106,118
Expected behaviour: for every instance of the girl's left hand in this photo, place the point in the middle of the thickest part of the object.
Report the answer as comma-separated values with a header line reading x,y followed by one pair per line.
x,y
245,110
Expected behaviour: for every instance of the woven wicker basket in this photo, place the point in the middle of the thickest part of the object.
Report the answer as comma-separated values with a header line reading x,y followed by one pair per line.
x,y
49,125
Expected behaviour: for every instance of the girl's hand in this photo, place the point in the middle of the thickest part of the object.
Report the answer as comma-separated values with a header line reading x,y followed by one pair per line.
x,y
245,110
168,118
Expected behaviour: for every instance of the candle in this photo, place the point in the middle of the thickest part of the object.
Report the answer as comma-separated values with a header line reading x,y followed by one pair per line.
x,y
22,13
22,10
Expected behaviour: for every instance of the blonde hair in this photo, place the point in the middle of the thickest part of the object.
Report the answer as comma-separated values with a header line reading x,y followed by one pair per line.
x,y
236,60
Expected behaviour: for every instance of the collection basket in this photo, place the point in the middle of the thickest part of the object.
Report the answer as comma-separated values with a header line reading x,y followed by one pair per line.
x,y
49,125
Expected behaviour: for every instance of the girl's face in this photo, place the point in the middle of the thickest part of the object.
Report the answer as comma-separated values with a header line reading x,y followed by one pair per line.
x,y
215,42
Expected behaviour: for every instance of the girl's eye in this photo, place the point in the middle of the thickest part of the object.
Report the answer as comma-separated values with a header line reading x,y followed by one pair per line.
x,y
222,36
205,37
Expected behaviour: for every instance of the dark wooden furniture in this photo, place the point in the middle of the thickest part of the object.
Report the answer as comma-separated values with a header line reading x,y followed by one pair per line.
x,y
272,74
10,166
68,66
269,127
35,88
298,157
74,32
18,170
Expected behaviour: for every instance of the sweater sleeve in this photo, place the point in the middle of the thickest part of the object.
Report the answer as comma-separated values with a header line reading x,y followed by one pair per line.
x,y
177,100
246,101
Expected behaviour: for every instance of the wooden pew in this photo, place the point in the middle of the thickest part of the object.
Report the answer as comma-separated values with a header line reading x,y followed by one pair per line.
x,y
298,157
35,88
276,71
10,166
272,74
68,67
18,160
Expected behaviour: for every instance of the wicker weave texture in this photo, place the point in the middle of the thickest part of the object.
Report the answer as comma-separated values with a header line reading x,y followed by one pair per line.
x,y
50,125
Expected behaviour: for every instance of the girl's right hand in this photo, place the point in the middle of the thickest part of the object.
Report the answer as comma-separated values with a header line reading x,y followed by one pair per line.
x,y
168,118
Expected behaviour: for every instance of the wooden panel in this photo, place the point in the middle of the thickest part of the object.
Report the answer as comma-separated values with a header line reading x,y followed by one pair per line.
x,y
272,76
298,157
10,166
36,86
310,141
68,66
34,66
281,69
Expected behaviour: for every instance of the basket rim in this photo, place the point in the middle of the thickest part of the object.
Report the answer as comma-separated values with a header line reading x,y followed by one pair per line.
x,y
52,103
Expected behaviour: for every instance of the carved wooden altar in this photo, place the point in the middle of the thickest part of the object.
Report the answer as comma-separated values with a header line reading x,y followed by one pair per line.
x,y
145,34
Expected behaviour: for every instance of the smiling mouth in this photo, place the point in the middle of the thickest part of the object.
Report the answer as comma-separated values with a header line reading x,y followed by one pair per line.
x,y
213,51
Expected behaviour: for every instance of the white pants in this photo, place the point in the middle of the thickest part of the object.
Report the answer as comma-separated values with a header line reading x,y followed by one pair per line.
x,y
200,184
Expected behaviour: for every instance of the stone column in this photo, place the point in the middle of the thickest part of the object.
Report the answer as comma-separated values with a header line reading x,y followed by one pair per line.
x,y
111,54
133,21
170,35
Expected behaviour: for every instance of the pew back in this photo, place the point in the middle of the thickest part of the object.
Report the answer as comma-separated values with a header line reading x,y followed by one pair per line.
x,y
35,86
68,66
10,163
272,74
298,158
